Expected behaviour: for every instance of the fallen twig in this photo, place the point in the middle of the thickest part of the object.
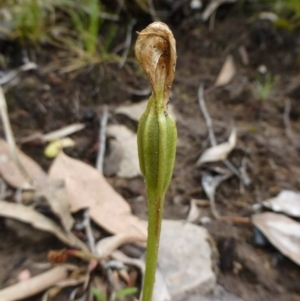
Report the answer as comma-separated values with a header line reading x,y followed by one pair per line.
x,y
286,120
102,138
127,42
89,231
208,121
236,219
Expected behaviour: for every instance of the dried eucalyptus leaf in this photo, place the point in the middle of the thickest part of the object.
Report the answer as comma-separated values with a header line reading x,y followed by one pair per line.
x,y
282,231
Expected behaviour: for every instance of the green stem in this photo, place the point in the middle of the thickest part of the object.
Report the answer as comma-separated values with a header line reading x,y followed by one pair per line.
x,y
154,228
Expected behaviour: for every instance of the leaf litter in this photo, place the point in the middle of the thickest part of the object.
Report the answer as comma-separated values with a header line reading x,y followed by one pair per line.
x,y
286,201
129,163
282,231
219,152
135,111
87,188
37,284
11,173
56,196
39,221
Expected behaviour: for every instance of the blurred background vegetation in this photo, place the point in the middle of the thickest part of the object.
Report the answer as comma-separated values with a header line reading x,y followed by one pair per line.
x,y
85,29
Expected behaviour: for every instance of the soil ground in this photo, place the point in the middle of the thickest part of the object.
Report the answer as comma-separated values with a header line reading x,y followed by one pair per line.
x,y
45,102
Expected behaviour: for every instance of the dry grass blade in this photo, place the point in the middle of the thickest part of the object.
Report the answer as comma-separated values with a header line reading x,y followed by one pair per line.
x,y
39,221
36,284
11,172
87,188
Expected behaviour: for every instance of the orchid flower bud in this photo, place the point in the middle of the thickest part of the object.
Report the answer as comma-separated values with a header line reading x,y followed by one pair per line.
x,y
157,134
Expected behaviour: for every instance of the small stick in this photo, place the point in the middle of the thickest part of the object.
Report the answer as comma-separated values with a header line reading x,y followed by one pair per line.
x,y
10,137
102,138
236,219
208,121
127,42
286,119
89,231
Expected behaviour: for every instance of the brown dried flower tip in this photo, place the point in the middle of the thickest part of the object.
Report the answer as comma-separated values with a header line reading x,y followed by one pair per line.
x,y
155,50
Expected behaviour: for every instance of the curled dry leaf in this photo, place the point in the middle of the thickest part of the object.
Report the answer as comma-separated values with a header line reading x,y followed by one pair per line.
x,y
136,110
56,196
220,151
35,285
129,163
39,221
109,244
87,188
155,50
282,231
286,201
11,173
227,72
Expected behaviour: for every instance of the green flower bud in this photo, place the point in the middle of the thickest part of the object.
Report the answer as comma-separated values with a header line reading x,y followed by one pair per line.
x,y
157,134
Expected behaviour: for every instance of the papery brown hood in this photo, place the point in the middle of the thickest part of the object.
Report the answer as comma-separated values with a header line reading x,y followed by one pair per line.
x,y
155,50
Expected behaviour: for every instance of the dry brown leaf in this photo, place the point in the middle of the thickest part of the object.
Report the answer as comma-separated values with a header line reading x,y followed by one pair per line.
x,y
109,244
282,231
35,285
37,220
87,188
227,72
220,151
135,111
286,201
56,196
11,173
129,165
